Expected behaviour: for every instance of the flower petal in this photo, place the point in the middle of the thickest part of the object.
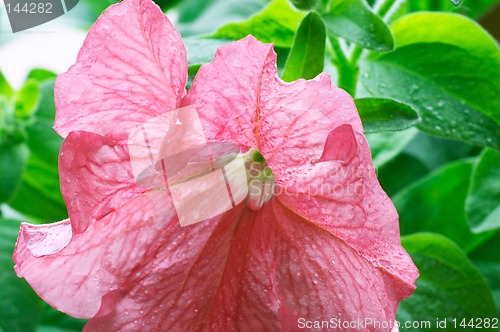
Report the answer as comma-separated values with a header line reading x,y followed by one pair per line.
x,y
246,270
131,67
283,268
226,92
136,262
240,98
341,143
96,177
42,240
297,118
342,195
175,291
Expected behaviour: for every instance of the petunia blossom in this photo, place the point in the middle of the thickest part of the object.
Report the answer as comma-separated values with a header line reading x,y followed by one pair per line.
x,y
321,243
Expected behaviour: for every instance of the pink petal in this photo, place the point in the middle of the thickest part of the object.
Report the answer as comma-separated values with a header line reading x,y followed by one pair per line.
x,y
240,98
96,177
131,67
177,288
136,263
130,265
291,123
42,240
342,145
247,270
283,268
226,91
297,118
137,269
149,272
204,180
342,195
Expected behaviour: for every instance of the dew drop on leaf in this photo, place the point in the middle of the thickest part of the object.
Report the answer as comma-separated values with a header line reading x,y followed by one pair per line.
x,y
456,2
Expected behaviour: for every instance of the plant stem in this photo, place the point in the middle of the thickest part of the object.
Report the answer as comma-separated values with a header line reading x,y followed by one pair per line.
x,y
338,51
355,54
384,7
348,79
347,69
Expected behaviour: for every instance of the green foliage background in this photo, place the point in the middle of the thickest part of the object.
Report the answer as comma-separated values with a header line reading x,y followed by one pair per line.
x,y
425,77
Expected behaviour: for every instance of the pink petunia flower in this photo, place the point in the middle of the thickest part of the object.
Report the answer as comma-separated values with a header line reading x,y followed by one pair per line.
x,y
321,243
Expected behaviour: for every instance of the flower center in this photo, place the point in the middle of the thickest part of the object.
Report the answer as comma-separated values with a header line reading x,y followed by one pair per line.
x,y
261,184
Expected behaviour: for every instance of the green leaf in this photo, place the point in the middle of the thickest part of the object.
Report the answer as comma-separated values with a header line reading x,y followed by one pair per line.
x,y
192,71
478,8
379,114
12,163
306,4
201,50
308,51
386,145
449,286
201,17
5,88
354,21
40,180
275,24
435,204
195,14
487,260
483,200
448,69
418,157
56,321
400,172
470,8
166,4
38,195
282,54
89,10
40,75
415,28
434,152
20,308
43,141
27,99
